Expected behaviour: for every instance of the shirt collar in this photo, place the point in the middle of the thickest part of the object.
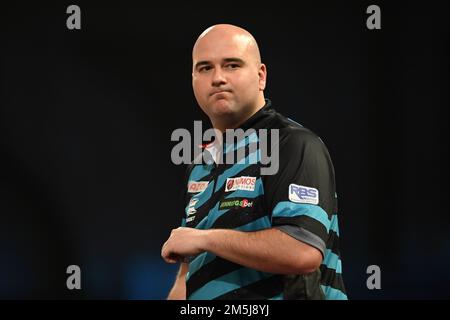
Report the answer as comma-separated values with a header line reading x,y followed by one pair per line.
x,y
256,121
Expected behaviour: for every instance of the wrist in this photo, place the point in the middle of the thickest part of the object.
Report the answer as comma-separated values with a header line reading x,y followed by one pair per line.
x,y
208,239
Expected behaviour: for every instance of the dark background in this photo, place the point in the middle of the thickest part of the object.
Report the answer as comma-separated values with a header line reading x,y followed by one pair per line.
x,y
86,118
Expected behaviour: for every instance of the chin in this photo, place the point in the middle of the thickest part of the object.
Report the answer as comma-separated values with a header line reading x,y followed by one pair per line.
x,y
221,107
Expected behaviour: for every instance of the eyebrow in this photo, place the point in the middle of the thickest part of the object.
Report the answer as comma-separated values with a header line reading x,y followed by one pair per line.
x,y
232,59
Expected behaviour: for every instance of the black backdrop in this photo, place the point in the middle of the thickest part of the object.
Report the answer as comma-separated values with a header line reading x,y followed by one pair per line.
x,y
86,119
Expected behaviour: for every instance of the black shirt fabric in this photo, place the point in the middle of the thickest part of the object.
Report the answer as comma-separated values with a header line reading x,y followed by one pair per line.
x,y
299,199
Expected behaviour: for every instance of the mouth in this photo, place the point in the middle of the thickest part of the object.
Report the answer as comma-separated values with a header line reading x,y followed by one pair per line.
x,y
219,92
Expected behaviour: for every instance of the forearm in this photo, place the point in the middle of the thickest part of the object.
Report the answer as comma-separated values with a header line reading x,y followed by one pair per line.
x,y
269,250
178,291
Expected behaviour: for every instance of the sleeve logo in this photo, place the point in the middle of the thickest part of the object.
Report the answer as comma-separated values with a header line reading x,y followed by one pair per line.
x,y
302,194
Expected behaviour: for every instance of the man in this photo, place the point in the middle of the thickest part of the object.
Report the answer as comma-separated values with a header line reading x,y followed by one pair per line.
x,y
245,235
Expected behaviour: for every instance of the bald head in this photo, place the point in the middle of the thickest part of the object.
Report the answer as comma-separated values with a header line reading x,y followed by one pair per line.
x,y
227,33
228,77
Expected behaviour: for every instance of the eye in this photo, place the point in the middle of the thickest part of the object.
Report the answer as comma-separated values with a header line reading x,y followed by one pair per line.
x,y
204,68
232,66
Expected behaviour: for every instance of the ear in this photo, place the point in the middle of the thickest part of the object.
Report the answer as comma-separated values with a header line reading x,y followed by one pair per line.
x,y
262,73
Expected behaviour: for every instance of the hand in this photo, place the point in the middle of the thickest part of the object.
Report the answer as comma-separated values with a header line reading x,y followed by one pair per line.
x,y
182,243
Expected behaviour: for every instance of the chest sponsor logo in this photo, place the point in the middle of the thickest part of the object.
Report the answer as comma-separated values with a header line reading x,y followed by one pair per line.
x,y
197,186
302,194
240,183
235,203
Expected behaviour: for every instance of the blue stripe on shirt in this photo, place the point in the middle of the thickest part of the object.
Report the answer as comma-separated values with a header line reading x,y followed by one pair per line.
x,y
287,209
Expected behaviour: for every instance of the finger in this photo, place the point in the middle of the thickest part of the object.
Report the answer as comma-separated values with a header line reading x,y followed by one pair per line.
x,y
167,258
171,261
171,258
165,253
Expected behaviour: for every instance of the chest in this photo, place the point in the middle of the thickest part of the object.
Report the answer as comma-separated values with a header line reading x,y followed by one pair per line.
x,y
229,198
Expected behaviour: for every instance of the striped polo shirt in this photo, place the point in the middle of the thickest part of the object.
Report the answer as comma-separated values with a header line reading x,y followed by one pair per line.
x,y
300,200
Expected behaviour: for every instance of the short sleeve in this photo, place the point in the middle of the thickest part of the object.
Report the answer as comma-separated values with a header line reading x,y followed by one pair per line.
x,y
301,195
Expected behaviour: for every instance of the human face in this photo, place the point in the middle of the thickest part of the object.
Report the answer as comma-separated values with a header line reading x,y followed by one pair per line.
x,y
227,78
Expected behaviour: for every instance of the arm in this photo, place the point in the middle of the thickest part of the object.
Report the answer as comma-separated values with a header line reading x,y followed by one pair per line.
x,y
269,250
178,291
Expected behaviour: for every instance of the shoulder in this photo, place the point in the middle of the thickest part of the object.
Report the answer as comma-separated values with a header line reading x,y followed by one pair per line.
x,y
296,138
188,170
292,132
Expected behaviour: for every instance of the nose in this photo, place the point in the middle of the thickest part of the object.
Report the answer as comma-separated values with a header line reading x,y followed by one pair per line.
x,y
218,78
